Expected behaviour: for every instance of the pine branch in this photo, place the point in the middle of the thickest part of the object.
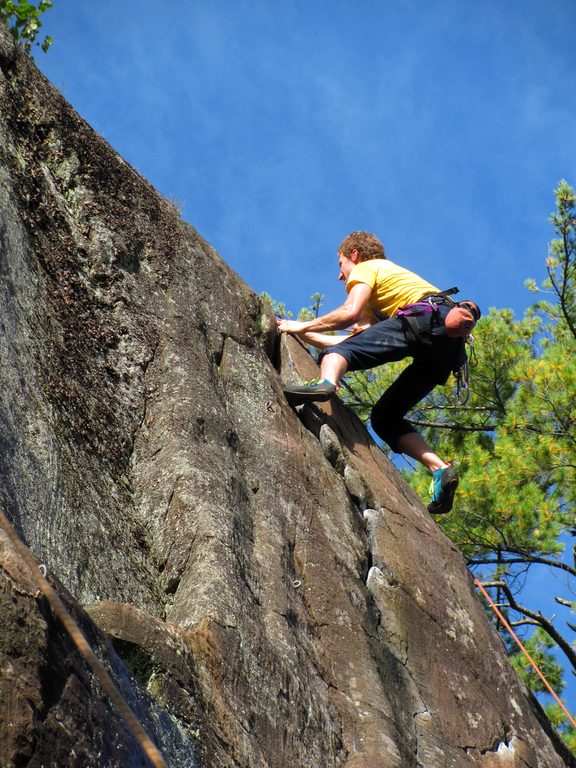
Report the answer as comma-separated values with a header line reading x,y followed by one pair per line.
x,y
526,558
524,622
454,427
537,618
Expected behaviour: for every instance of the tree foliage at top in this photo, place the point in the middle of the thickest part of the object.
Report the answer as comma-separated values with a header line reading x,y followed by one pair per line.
x,y
23,20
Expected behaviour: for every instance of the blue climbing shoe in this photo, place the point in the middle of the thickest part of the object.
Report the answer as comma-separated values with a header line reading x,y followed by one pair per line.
x,y
442,488
297,395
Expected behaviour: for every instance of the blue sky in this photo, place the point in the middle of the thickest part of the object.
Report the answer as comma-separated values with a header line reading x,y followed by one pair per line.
x,y
279,126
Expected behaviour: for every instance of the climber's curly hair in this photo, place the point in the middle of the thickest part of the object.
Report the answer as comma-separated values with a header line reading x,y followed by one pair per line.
x,y
367,245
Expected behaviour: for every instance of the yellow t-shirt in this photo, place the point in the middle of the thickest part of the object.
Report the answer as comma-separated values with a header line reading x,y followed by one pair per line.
x,y
392,286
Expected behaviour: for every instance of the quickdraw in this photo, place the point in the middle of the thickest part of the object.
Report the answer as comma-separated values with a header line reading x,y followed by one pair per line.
x,y
462,372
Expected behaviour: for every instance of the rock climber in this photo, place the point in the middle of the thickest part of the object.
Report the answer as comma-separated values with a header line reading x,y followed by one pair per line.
x,y
392,314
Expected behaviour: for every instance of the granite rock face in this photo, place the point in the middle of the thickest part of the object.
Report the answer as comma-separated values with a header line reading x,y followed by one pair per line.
x,y
261,583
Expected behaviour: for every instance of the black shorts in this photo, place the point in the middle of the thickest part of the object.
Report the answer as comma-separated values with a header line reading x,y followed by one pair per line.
x,y
434,355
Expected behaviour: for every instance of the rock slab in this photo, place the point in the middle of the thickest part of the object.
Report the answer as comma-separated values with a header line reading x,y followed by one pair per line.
x,y
260,582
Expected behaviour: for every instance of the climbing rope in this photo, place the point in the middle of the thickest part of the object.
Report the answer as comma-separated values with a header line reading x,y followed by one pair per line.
x,y
524,651
109,687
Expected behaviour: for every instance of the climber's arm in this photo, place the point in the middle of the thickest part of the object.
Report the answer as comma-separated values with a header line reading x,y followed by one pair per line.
x,y
322,340
353,309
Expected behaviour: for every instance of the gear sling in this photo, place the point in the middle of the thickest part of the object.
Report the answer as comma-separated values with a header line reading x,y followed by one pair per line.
x,y
458,323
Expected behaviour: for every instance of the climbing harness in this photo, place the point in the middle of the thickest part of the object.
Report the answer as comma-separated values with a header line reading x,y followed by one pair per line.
x,y
458,324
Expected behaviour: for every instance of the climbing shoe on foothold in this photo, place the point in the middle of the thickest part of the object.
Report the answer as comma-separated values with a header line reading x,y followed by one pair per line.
x,y
442,489
297,395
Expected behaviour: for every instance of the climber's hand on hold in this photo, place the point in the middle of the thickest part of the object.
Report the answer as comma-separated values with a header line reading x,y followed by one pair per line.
x,y
290,326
